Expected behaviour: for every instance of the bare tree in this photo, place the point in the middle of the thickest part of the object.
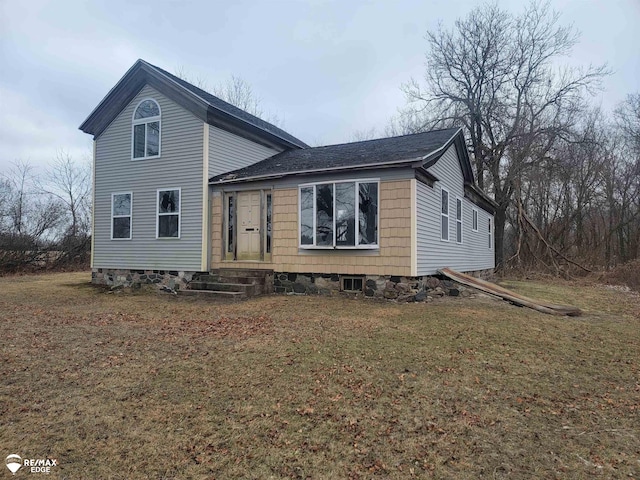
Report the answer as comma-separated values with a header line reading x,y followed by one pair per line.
x,y
236,91
70,182
29,220
361,135
494,74
627,116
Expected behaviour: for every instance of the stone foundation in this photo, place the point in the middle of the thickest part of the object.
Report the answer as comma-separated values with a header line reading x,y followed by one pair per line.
x,y
173,279
401,289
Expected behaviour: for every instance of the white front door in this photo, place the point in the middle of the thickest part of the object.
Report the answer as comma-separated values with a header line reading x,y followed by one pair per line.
x,y
248,225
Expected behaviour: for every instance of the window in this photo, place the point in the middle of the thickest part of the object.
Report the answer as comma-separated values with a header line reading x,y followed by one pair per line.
x,y
168,213
339,214
269,223
444,215
146,130
458,220
490,235
121,216
230,222
352,284
475,220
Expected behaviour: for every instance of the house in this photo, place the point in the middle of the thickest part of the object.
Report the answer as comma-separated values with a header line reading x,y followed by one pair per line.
x,y
186,183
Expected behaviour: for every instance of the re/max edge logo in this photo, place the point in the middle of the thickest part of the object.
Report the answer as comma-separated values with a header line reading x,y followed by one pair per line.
x,y
35,465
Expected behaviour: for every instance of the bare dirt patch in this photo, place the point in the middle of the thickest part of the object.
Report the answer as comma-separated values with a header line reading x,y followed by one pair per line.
x,y
122,386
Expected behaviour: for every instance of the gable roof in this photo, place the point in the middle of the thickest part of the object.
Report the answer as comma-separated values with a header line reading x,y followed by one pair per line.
x,y
419,151
202,104
382,152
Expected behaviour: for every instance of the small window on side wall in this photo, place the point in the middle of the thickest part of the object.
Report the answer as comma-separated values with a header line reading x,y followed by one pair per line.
x,y
458,220
475,220
121,206
444,215
168,219
146,130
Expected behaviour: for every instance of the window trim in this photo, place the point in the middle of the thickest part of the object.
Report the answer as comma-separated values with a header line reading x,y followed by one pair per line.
x,y
130,216
474,219
145,121
352,278
179,213
447,215
490,223
357,182
460,221
268,247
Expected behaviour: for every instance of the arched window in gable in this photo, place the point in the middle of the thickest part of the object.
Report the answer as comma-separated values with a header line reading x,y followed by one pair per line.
x,y
146,130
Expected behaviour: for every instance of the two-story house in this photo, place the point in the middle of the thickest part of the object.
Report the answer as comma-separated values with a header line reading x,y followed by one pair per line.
x,y
185,183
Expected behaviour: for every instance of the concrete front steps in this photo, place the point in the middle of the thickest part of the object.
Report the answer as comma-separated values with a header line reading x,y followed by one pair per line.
x,y
229,283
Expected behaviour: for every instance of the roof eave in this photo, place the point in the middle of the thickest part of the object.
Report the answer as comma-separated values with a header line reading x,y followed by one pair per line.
x,y
214,113
142,73
369,166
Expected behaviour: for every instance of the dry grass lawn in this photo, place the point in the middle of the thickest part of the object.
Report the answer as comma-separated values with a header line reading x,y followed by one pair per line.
x,y
146,385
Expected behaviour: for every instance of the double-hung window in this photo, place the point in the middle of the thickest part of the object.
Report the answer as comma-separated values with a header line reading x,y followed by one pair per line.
x,y
444,215
458,220
168,217
146,130
339,214
121,205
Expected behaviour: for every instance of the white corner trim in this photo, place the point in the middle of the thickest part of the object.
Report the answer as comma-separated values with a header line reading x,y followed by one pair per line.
x,y
93,203
206,205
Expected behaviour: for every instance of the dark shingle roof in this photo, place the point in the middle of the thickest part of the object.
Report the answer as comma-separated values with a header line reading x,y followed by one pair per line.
x,y
232,109
407,148
207,107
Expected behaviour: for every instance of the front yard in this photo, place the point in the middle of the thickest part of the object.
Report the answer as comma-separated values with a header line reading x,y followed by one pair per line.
x,y
126,386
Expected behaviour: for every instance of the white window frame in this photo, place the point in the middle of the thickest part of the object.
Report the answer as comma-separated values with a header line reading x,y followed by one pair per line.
x,y
357,220
130,216
145,121
474,220
158,214
447,215
459,220
490,233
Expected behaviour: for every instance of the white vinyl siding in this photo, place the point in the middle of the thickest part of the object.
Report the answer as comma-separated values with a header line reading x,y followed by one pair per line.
x,y
180,166
432,252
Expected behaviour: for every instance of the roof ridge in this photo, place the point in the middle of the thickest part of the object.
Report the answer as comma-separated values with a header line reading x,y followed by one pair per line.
x,y
455,129
229,108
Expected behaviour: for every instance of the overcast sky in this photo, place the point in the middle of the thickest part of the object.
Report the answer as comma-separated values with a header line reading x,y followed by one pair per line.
x,y
326,68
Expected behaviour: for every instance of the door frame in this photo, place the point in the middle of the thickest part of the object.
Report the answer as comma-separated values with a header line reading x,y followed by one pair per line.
x,y
230,225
